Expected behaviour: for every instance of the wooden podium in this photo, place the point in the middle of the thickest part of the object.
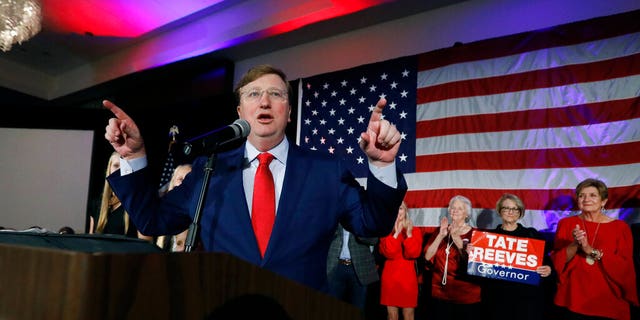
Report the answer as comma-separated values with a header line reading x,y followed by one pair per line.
x,y
40,282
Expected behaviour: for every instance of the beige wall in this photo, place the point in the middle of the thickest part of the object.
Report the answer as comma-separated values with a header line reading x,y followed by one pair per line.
x,y
44,177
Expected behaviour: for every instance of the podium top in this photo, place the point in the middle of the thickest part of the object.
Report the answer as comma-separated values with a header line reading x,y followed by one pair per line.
x,y
90,243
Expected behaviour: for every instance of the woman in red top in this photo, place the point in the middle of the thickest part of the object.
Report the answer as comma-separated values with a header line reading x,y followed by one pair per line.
x,y
455,294
593,255
399,281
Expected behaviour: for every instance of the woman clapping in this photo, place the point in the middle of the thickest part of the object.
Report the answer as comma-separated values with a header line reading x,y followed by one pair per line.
x,y
593,255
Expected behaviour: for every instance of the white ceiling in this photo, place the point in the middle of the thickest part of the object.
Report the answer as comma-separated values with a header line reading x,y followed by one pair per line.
x,y
64,58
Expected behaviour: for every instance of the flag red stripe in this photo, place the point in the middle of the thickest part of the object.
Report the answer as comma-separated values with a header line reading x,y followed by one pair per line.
x,y
599,112
553,199
568,34
623,153
587,72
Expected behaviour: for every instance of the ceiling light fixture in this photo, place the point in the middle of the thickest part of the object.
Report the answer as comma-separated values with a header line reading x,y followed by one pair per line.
x,y
19,21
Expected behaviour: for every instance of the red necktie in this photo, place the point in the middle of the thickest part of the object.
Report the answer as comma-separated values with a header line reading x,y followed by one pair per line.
x,y
263,211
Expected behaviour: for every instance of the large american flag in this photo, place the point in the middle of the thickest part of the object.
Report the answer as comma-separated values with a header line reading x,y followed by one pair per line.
x,y
531,114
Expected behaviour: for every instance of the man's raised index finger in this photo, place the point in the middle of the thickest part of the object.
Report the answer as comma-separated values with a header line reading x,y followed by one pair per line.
x,y
115,109
377,111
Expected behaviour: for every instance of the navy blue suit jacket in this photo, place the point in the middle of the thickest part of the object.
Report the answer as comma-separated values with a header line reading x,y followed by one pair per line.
x,y
318,192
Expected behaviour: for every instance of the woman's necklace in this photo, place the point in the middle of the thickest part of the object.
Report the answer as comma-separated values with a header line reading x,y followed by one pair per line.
x,y
447,251
590,259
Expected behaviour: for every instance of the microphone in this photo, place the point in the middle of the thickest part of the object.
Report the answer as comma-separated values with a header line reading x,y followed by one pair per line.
x,y
210,141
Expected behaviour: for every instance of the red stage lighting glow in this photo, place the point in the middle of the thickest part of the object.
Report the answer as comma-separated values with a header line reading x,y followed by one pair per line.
x,y
135,18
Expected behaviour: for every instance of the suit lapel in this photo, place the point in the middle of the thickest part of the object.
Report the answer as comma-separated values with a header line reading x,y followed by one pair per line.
x,y
229,175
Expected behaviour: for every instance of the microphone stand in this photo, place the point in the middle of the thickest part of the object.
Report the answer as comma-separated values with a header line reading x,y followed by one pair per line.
x,y
193,228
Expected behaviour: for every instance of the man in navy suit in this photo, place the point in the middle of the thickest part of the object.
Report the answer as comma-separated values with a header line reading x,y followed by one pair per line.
x,y
313,192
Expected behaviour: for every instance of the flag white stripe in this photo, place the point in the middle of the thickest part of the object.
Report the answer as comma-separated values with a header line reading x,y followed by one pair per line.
x,y
554,178
490,219
548,138
586,52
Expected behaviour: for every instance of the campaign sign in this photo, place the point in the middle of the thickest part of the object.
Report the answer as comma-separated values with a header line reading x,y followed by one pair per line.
x,y
500,256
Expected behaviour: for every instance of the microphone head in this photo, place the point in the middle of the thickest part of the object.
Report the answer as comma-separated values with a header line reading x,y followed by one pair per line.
x,y
214,140
244,127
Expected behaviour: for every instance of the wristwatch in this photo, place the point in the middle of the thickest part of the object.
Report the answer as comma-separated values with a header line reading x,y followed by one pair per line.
x,y
596,254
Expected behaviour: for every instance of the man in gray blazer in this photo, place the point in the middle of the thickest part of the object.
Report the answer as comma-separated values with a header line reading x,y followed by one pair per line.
x,y
351,267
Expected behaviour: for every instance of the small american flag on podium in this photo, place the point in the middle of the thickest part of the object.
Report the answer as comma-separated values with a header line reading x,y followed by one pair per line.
x,y
169,163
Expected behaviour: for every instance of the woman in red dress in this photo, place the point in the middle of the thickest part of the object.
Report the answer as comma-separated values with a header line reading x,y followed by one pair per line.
x,y
593,254
399,280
